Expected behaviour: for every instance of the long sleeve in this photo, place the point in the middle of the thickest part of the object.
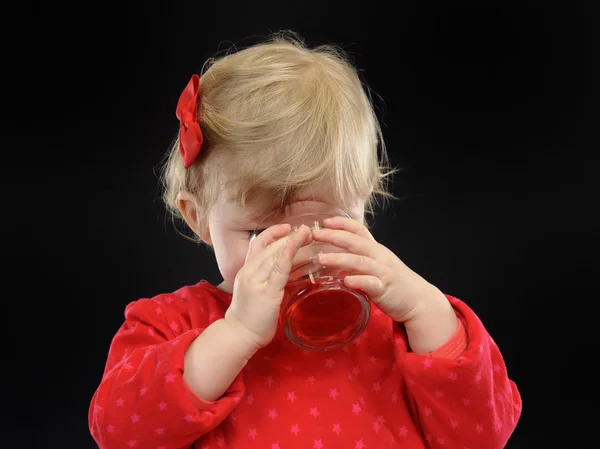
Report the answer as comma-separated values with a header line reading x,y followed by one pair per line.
x,y
467,400
143,401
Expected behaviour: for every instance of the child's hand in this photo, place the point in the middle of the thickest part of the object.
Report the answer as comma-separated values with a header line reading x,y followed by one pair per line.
x,y
259,285
374,269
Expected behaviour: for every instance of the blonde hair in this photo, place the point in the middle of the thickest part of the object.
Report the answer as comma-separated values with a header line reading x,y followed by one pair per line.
x,y
278,118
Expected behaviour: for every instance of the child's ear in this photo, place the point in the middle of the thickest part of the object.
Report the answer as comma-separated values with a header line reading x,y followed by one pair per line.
x,y
187,205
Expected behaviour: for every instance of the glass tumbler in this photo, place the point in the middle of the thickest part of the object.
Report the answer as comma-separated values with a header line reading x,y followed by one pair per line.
x,y
318,312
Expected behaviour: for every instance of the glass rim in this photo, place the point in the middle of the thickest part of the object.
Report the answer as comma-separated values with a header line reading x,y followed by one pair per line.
x,y
326,214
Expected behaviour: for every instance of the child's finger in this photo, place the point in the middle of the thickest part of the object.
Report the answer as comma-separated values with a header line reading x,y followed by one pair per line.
x,y
348,224
347,240
276,269
352,263
267,238
255,266
371,285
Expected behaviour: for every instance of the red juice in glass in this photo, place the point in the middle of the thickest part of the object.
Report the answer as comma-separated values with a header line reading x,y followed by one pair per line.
x,y
321,313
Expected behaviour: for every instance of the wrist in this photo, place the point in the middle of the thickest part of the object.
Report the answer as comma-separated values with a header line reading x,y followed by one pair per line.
x,y
241,338
432,323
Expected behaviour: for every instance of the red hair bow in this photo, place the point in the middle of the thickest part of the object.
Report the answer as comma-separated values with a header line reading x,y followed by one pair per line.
x,y
190,134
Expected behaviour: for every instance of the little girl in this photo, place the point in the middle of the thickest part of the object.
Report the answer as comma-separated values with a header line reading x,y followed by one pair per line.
x,y
206,367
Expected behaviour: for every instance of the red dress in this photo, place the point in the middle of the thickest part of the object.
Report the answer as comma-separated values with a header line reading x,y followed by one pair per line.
x,y
372,394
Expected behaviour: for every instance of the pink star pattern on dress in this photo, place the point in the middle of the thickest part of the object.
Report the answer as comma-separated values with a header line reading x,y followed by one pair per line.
x,y
378,392
170,378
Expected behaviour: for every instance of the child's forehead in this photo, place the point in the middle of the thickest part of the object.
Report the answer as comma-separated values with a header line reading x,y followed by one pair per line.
x,y
266,207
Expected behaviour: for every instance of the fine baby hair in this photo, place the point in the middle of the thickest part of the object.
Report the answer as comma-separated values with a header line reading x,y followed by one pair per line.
x,y
276,118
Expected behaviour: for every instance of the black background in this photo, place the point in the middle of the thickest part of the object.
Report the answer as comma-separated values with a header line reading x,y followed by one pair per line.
x,y
490,109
